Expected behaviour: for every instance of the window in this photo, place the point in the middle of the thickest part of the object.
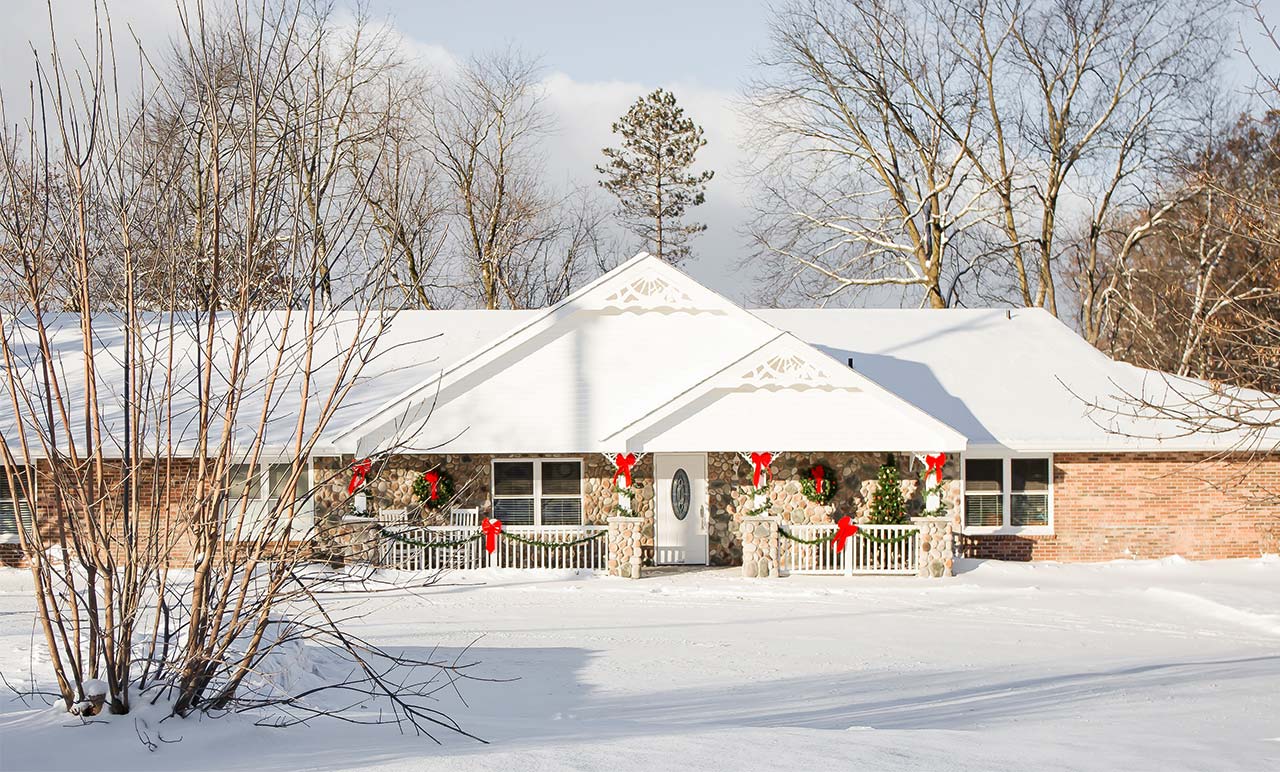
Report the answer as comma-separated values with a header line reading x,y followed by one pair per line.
x,y
1008,493
538,492
264,486
984,492
1029,492
13,508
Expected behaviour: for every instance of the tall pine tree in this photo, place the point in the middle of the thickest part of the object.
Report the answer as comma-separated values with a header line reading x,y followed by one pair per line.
x,y
651,174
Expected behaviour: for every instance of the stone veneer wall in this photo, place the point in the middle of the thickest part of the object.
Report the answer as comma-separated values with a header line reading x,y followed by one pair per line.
x,y
1109,506
855,475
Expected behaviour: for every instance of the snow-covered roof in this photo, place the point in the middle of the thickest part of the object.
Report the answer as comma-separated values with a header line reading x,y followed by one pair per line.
x,y
1015,379
646,359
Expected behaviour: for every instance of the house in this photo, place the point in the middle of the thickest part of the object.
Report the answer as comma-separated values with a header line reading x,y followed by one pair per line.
x,y
1047,454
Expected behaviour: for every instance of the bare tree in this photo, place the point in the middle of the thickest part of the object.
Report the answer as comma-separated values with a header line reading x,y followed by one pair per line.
x,y
1007,122
143,425
508,225
859,185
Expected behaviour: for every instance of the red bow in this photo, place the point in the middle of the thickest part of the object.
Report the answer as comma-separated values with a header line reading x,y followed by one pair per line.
x,y
761,462
935,464
433,479
358,475
818,473
624,464
491,529
844,529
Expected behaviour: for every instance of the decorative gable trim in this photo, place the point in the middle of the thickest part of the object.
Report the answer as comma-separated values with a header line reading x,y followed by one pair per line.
x,y
648,293
785,371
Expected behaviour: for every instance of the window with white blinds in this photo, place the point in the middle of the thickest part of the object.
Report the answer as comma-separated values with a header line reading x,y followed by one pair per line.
x,y
538,491
1014,493
14,509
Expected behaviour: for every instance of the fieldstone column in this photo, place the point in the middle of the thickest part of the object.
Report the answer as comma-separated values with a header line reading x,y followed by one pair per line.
x,y
353,540
760,554
623,558
937,546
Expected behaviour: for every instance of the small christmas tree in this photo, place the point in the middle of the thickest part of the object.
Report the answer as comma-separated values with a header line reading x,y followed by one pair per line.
x,y
887,506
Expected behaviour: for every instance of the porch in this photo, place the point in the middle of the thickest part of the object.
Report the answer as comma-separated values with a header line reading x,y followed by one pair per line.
x,y
673,509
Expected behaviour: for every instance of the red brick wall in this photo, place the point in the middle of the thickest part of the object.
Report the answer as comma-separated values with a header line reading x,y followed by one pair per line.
x,y
163,497
1109,506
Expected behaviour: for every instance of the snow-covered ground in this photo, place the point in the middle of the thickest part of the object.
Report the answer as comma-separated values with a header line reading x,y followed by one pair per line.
x,y
1143,665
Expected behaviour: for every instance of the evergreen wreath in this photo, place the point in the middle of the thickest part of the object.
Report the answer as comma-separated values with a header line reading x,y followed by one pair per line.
x,y
809,486
422,489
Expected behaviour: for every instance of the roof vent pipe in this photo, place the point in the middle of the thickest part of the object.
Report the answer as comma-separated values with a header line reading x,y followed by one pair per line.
x,y
850,363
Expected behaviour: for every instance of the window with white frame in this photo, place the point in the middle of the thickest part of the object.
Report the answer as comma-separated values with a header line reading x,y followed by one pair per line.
x,y
1007,492
264,485
538,491
14,508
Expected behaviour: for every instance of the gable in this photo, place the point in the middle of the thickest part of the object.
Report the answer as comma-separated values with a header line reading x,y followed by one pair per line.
x,y
785,395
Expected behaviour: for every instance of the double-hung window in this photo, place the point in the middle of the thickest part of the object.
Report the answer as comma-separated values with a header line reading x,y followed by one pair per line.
x,y
538,491
1008,494
264,485
14,509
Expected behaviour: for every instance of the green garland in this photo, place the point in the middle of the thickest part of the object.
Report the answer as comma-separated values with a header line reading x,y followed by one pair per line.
x,y
788,535
432,544
752,492
887,539
537,543
876,539
478,534
618,509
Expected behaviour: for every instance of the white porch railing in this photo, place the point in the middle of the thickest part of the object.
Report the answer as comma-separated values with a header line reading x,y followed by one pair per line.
x,y
434,547
860,555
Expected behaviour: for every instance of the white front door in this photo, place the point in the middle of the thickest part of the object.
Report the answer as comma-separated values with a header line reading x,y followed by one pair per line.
x,y
680,498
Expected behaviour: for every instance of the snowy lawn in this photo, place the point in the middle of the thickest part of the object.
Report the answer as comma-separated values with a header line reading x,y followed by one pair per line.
x,y
1144,665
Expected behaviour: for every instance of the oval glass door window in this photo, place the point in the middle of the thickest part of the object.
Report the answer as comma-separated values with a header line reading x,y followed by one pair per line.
x,y
680,494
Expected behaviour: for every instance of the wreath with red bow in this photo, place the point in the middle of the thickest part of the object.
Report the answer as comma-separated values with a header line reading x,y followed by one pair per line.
x,y
433,488
820,486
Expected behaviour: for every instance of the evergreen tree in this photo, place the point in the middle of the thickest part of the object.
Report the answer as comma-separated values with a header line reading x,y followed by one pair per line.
x,y
650,174
887,506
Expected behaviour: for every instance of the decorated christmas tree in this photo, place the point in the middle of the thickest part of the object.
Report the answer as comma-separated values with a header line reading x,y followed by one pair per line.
x,y
887,506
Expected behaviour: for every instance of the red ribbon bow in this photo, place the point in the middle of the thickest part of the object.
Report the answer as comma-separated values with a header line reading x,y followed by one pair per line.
x,y
433,479
845,528
761,462
491,529
624,464
818,473
935,464
358,475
